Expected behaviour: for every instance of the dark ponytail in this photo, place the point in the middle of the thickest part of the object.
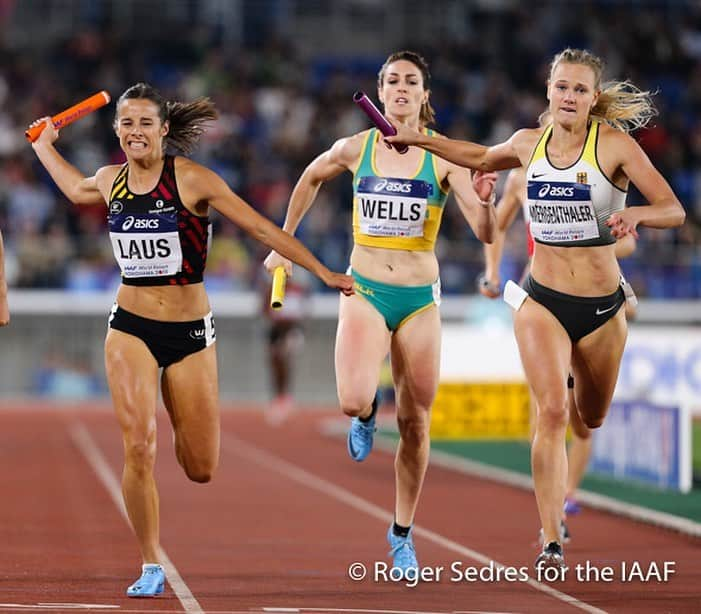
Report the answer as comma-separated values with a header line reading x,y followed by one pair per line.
x,y
188,120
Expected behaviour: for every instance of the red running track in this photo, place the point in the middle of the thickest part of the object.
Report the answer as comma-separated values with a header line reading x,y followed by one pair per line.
x,y
286,515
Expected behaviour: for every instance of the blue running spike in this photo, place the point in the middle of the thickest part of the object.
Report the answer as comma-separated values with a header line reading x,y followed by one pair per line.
x,y
404,555
150,584
361,434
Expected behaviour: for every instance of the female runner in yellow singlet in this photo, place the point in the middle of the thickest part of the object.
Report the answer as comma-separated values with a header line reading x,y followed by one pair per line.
x,y
397,209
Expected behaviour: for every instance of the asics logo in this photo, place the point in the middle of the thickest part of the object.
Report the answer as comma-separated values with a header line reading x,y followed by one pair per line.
x,y
131,221
556,190
392,186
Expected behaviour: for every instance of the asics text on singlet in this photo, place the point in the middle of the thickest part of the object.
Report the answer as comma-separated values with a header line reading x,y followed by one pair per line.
x,y
396,212
155,239
568,207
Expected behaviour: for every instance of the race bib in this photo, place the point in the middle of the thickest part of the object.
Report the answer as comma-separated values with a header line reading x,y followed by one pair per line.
x,y
561,212
389,207
146,246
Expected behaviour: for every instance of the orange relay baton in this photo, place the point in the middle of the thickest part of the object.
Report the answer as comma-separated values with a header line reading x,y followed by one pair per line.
x,y
68,116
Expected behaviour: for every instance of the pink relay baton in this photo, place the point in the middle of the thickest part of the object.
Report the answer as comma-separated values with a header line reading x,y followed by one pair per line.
x,y
380,121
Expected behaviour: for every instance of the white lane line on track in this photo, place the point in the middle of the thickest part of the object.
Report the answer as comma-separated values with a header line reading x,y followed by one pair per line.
x,y
77,606
366,611
19,607
275,463
89,607
56,607
84,607
92,453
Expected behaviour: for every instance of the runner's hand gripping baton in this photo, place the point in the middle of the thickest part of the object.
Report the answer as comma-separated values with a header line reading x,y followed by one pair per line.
x,y
277,295
70,115
380,121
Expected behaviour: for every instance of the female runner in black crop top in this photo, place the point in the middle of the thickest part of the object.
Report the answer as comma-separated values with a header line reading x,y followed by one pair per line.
x,y
158,208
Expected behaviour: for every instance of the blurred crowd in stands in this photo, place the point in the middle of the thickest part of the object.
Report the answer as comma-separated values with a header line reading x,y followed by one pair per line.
x,y
280,108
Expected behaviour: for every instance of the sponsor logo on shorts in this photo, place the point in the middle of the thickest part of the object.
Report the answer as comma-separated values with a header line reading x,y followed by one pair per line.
x,y
363,289
600,312
197,333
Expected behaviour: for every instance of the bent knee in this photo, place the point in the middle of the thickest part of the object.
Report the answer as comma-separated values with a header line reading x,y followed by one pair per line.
x,y
353,411
593,419
592,422
200,472
199,476
355,406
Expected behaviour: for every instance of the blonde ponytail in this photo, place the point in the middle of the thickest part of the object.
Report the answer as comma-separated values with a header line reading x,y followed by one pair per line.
x,y
624,106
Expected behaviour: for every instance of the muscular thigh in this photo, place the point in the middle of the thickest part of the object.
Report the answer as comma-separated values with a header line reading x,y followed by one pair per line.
x,y
362,342
416,349
132,376
596,359
545,350
191,395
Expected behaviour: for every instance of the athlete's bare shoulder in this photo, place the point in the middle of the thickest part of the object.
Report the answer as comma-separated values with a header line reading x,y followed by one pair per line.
x,y
183,164
189,172
614,137
615,148
346,151
194,178
105,176
523,142
198,185
527,136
